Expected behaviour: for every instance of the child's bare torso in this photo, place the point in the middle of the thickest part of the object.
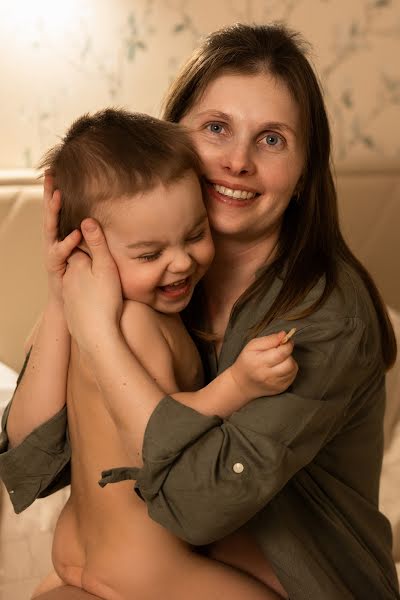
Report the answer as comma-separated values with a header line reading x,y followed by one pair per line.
x,y
104,535
104,541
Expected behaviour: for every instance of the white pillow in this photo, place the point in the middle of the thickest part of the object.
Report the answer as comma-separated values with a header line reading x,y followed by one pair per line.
x,y
8,380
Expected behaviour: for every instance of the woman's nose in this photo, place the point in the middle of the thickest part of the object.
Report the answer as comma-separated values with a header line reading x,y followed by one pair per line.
x,y
181,262
238,159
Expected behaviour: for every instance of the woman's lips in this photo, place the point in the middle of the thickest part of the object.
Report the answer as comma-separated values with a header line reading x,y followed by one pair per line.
x,y
220,194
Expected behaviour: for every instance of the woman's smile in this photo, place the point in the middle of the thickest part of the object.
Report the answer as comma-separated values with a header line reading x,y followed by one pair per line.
x,y
232,195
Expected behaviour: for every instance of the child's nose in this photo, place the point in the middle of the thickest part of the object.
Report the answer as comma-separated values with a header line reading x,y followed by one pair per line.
x,y
181,262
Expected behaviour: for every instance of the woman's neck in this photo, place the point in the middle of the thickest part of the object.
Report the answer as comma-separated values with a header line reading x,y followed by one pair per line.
x,y
233,271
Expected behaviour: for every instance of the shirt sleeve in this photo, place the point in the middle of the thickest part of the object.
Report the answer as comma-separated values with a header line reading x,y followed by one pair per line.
x,y
203,478
40,465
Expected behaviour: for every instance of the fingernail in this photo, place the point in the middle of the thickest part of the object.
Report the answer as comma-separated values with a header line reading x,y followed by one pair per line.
x,y
89,226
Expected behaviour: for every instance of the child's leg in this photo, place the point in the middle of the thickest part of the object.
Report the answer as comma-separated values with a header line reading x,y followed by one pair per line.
x,y
67,592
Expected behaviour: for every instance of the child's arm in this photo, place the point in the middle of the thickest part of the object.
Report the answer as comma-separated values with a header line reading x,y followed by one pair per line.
x,y
265,367
143,333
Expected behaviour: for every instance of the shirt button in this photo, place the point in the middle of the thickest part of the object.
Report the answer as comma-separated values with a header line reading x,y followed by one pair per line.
x,y
238,468
11,492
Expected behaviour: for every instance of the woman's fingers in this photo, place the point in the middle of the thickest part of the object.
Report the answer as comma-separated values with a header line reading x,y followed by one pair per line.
x,y
97,244
91,289
67,245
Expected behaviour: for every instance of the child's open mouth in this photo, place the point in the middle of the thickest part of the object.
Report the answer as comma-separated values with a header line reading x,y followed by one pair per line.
x,y
176,289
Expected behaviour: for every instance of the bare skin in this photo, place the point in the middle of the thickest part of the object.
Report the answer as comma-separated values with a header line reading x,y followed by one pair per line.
x,y
100,523
67,592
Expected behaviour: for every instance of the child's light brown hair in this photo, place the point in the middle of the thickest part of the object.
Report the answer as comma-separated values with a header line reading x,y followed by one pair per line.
x,y
114,154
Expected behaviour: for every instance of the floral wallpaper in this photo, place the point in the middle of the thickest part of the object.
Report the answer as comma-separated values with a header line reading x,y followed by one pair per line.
x,y
88,54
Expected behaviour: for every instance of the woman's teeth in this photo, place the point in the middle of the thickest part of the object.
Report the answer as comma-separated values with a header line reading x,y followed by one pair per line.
x,y
242,194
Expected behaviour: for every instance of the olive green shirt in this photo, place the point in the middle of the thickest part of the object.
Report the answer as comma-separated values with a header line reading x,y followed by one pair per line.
x,y
300,469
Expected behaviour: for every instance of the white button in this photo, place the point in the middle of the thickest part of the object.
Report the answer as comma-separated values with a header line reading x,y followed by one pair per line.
x,y
238,468
11,491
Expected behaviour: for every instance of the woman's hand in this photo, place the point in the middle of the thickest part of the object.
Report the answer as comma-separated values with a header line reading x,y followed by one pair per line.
x,y
56,253
92,290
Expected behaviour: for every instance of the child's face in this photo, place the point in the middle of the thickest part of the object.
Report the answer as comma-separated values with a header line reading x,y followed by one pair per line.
x,y
161,243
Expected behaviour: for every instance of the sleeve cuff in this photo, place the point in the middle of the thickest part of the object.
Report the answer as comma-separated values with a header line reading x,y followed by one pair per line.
x,y
177,426
29,468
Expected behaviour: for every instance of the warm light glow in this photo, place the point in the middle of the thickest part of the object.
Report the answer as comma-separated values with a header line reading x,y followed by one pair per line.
x,y
29,18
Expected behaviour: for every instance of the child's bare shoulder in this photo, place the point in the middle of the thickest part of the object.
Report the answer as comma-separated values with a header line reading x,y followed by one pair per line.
x,y
134,308
140,316
143,330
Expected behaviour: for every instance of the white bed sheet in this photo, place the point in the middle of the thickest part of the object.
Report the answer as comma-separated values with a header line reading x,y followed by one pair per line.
x,y
8,380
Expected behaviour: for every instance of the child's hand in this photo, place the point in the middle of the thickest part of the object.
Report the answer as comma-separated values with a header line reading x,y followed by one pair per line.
x,y
56,253
265,366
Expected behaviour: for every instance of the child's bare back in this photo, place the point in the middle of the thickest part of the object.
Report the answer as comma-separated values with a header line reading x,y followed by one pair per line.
x,y
105,542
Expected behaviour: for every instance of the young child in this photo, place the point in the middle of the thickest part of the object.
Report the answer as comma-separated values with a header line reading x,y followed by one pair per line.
x,y
139,177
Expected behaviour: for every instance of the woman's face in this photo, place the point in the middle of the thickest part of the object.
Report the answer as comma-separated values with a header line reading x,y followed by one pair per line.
x,y
246,129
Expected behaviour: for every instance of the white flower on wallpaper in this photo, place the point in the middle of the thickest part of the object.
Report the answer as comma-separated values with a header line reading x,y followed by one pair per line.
x,y
125,53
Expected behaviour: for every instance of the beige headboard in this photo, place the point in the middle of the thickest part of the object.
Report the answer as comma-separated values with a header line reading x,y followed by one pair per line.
x,y
23,279
369,208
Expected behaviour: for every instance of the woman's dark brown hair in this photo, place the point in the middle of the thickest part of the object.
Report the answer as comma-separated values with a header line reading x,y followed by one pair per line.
x,y
310,242
114,154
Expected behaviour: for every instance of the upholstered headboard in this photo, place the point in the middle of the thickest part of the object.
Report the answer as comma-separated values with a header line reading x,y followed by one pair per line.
x,y
23,279
369,205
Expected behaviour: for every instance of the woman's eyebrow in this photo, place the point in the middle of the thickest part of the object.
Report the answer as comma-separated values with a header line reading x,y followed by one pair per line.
x,y
214,113
277,125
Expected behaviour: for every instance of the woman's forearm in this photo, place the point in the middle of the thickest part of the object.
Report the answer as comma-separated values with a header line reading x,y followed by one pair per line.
x,y
41,392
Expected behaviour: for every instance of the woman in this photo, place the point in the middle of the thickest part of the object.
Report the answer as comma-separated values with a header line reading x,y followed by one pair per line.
x,y
299,472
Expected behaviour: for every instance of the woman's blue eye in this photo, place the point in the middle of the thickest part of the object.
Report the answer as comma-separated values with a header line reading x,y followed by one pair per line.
x,y
272,139
215,127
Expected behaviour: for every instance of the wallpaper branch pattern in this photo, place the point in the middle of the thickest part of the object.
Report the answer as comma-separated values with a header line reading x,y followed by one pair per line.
x,y
125,53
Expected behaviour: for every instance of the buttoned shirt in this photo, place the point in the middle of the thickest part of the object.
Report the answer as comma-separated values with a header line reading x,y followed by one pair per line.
x,y
299,470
